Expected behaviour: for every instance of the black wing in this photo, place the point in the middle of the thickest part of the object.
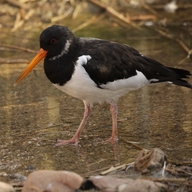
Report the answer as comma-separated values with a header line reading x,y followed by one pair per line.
x,y
112,61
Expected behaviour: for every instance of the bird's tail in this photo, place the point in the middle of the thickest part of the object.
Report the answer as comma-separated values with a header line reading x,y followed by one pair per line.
x,y
177,78
156,72
181,73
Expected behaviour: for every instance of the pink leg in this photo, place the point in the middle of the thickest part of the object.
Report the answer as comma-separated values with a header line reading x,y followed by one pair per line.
x,y
75,139
114,136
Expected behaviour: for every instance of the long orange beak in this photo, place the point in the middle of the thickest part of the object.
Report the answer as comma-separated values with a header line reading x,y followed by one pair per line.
x,y
40,55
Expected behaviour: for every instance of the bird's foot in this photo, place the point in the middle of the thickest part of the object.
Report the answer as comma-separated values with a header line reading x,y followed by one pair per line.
x,y
67,142
112,139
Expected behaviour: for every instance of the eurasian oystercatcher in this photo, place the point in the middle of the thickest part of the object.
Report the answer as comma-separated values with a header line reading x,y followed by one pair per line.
x,y
97,71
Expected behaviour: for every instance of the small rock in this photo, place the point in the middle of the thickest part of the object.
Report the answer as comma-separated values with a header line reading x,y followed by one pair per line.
x,y
112,184
52,181
3,174
104,183
143,185
17,177
5,187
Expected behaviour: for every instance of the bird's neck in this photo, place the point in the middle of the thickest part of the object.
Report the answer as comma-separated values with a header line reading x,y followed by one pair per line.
x,y
60,70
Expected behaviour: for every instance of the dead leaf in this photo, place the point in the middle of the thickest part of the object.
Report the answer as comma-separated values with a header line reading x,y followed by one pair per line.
x,y
150,160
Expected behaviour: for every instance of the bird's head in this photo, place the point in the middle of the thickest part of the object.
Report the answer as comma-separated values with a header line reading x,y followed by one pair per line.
x,y
55,41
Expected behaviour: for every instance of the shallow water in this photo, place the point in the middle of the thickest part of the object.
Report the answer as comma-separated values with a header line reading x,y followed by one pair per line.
x,y
34,114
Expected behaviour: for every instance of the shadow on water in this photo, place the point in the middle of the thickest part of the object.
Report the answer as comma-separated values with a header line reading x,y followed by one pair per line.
x,y
34,114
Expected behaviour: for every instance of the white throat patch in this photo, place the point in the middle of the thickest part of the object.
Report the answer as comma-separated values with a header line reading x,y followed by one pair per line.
x,y
64,51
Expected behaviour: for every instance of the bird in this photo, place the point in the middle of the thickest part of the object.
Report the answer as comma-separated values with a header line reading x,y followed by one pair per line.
x,y
96,71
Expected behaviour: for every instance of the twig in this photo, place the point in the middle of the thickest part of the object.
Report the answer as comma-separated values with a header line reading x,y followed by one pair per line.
x,y
120,167
144,5
18,48
178,170
13,61
96,171
17,4
143,17
172,180
92,164
114,13
90,21
185,48
76,11
20,21
60,17
22,105
136,146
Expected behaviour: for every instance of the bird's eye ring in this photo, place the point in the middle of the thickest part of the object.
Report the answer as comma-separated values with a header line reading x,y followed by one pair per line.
x,y
52,41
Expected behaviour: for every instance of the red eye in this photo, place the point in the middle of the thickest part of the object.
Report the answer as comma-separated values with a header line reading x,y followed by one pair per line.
x,y
52,41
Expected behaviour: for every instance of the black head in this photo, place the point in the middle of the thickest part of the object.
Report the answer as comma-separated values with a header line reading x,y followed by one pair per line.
x,y
56,40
